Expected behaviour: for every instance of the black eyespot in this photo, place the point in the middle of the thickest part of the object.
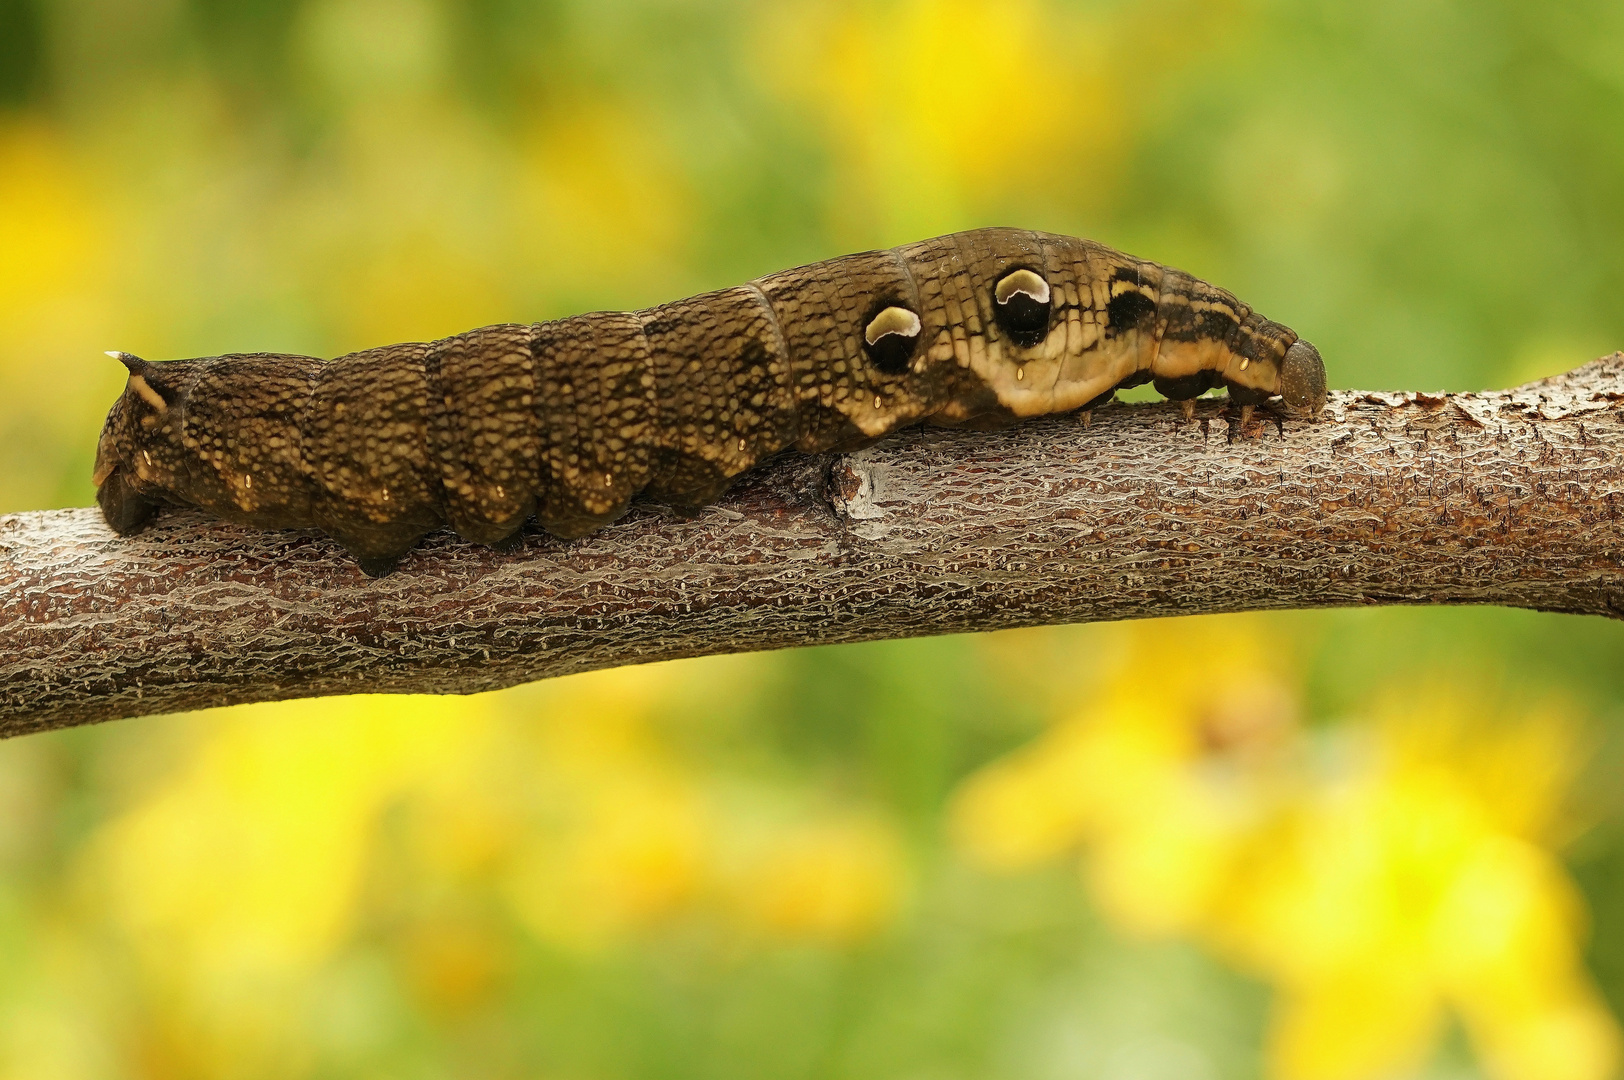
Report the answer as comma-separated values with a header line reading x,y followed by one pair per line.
x,y
1129,310
890,337
1021,304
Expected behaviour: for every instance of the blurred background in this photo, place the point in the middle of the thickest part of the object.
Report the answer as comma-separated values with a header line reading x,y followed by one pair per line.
x,y
1388,844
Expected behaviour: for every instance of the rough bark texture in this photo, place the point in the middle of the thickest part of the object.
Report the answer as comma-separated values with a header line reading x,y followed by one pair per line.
x,y
1510,497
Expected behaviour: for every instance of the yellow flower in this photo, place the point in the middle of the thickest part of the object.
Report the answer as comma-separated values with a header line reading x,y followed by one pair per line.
x,y
836,880
238,878
1377,878
58,262
934,106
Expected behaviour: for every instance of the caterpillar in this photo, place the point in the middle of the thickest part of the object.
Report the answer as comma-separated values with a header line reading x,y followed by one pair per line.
x,y
568,420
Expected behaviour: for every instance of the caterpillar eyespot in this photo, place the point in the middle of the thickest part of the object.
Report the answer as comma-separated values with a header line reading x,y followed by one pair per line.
x,y
567,421
891,337
898,321
1021,306
1021,283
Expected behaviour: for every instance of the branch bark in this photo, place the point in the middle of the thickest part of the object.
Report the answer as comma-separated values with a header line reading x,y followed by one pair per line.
x,y
1510,497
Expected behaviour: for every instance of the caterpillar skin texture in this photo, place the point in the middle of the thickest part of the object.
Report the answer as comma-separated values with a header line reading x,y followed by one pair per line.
x,y
568,420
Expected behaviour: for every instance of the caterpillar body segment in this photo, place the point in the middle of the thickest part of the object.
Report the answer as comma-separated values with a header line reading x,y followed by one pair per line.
x,y
569,420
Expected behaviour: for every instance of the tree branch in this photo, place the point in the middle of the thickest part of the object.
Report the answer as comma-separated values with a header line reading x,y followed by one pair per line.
x,y
1508,498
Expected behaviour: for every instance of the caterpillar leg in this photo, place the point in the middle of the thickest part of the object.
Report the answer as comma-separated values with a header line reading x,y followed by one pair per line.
x,y
378,567
513,541
1184,389
494,534
378,555
126,510
1087,410
1247,399
378,549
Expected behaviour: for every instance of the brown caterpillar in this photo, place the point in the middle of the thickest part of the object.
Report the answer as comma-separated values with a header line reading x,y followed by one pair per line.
x,y
568,420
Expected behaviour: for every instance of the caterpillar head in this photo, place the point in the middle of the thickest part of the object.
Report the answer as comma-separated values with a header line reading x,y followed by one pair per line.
x,y
139,456
1302,379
